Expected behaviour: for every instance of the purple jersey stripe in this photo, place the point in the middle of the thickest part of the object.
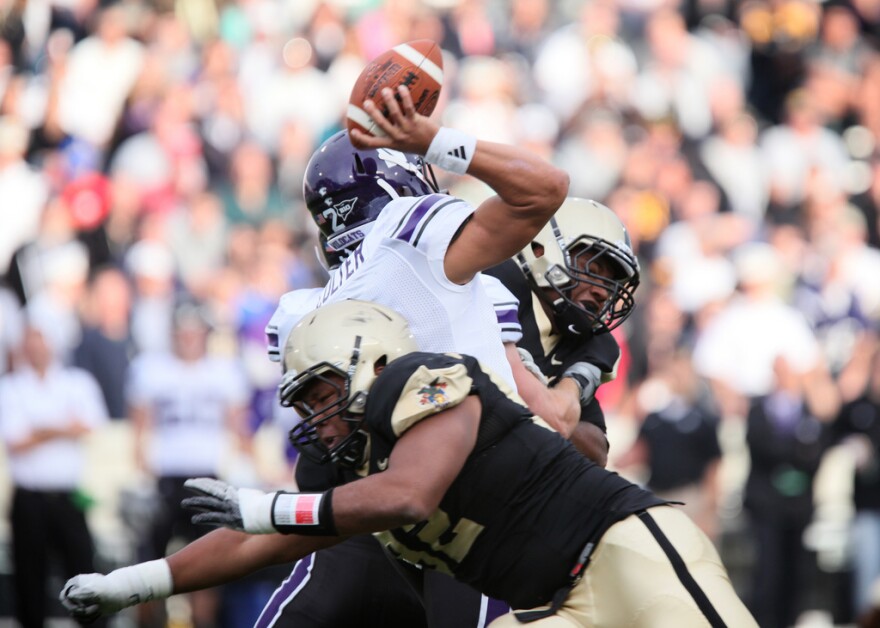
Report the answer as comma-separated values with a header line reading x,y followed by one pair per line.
x,y
507,316
415,216
495,609
292,585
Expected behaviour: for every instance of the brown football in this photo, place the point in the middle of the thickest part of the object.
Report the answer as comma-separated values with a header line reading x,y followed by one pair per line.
x,y
417,64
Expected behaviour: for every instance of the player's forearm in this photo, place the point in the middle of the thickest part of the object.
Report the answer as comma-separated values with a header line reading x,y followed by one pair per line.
x,y
217,558
560,409
373,504
224,555
523,180
591,442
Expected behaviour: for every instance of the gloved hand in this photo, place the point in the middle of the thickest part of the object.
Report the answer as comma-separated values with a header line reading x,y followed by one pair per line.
x,y
529,362
89,596
588,377
223,505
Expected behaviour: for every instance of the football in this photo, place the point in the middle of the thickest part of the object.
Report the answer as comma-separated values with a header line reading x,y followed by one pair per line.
x,y
417,64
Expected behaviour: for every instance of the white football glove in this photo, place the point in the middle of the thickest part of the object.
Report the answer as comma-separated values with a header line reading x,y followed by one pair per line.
x,y
223,505
89,596
529,362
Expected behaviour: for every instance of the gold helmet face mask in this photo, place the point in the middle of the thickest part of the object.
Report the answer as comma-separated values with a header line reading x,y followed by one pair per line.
x,y
341,345
580,240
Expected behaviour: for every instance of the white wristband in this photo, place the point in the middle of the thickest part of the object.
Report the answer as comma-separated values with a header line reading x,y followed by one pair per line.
x,y
142,582
452,150
256,511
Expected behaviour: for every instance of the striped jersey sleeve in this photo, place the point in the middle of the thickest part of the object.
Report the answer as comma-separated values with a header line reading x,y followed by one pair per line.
x,y
428,223
506,308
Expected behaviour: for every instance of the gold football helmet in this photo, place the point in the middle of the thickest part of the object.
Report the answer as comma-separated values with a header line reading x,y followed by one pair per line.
x,y
582,236
348,339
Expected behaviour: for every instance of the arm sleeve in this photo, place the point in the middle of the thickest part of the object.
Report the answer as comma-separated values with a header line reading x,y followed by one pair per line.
x,y
506,308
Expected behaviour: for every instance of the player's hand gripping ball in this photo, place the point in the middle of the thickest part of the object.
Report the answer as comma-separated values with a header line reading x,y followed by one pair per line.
x,y
417,64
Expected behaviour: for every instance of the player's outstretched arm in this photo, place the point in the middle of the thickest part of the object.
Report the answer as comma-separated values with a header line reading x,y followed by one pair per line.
x,y
528,189
217,558
422,466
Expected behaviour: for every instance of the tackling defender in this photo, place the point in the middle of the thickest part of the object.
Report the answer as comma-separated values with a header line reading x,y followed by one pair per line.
x,y
459,478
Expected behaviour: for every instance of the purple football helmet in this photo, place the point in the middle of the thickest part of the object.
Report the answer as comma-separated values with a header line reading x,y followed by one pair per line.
x,y
346,188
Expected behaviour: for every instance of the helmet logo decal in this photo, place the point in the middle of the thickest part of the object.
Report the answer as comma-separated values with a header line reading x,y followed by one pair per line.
x,y
343,208
434,394
338,213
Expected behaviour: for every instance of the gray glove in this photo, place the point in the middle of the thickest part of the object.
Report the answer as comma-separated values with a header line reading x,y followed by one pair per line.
x,y
587,376
223,505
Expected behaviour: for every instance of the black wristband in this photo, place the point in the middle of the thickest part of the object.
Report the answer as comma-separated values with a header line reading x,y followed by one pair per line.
x,y
307,514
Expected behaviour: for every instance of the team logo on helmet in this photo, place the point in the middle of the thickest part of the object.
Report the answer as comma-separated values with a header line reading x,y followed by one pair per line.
x,y
434,394
343,208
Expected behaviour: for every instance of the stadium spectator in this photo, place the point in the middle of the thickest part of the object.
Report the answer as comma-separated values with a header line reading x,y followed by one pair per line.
x,y
677,443
858,427
737,349
21,186
106,347
188,408
47,410
788,431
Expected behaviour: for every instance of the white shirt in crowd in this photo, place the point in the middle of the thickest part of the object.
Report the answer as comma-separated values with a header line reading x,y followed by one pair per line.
x,y
189,403
27,403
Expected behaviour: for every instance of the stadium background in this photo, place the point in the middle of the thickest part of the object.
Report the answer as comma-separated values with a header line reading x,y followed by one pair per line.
x,y
737,140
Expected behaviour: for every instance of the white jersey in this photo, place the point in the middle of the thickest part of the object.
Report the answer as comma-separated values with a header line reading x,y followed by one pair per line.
x,y
400,265
291,308
189,404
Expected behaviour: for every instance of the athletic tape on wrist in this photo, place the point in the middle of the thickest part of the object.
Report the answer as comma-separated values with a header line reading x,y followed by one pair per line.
x,y
309,514
452,150
144,581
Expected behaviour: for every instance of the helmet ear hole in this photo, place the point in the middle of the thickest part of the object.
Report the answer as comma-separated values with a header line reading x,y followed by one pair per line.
x,y
380,364
537,249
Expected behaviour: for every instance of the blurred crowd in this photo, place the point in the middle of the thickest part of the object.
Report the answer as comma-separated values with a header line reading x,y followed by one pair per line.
x,y
151,159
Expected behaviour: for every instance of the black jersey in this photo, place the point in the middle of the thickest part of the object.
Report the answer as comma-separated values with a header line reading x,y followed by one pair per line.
x,y
311,476
553,352
526,502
